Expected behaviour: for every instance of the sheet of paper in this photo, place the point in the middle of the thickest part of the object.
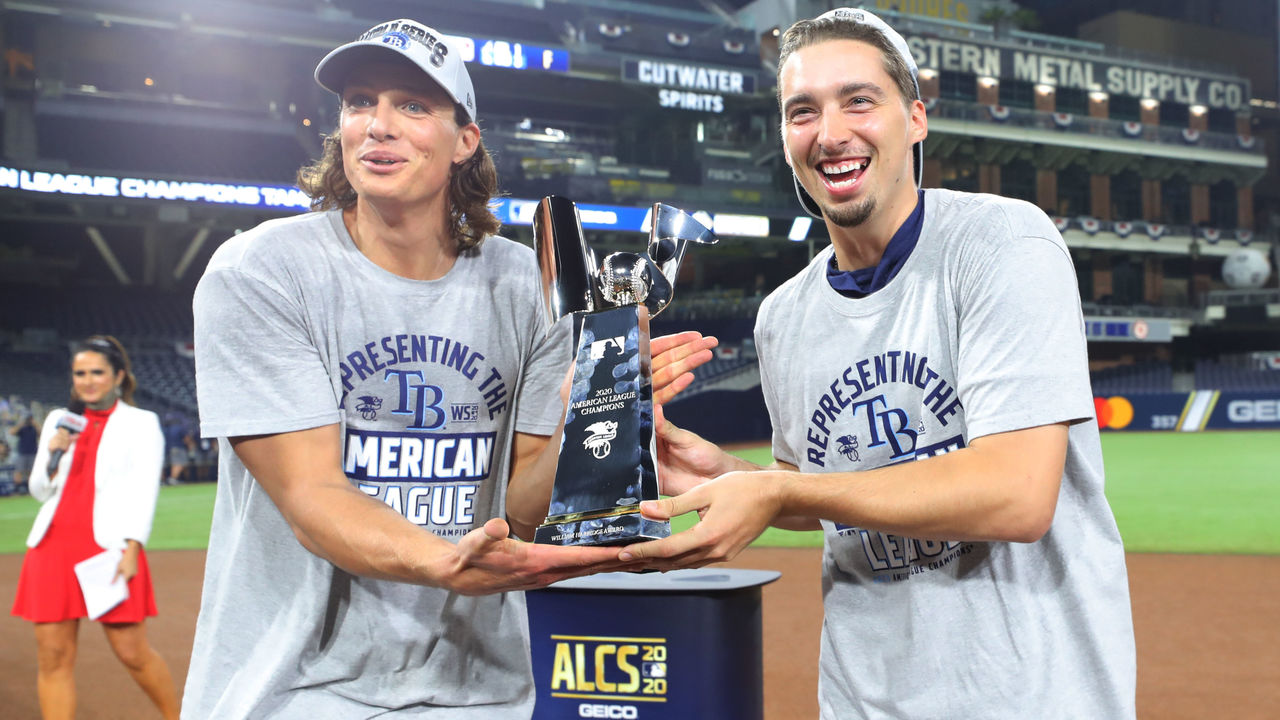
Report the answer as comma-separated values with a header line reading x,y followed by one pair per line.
x,y
95,575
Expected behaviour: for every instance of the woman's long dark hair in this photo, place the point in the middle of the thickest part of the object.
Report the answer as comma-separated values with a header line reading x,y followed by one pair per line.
x,y
111,349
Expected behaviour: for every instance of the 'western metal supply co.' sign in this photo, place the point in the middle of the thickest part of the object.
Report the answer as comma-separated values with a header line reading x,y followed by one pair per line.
x,y
1071,71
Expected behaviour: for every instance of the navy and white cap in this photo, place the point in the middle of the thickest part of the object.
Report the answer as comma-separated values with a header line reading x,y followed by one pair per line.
x,y
419,44
858,15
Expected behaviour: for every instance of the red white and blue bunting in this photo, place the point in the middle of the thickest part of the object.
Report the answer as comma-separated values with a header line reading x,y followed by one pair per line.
x,y
1244,237
1090,225
678,39
930,103
1132,129
1155,230
1061,223
1211,235
1190,136
1122,228
1246,142
999,113
1063,120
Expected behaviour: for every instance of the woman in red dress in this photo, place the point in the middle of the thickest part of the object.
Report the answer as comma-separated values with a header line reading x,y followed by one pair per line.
x,y
98,493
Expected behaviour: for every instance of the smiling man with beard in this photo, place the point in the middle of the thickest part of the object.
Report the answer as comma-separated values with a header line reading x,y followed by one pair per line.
x,y
927,381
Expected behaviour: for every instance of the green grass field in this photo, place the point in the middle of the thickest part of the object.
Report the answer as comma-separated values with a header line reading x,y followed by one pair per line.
x,y
1213,492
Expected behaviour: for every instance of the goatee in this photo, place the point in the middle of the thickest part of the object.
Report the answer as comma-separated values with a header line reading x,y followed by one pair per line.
x,y
851,216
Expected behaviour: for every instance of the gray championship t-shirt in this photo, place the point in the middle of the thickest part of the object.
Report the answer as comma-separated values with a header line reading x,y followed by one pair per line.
x,y
979,333
428,380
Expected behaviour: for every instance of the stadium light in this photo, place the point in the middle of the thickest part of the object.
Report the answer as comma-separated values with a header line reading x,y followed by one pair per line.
x,y
800,229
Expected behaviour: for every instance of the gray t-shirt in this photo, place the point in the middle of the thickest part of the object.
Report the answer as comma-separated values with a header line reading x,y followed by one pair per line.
x,y
295,328
980,333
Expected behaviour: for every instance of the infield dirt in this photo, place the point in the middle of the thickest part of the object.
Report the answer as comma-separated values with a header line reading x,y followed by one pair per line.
x,y
1208,632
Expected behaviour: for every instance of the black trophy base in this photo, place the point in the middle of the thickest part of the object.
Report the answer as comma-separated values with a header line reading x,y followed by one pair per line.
x,y
616,530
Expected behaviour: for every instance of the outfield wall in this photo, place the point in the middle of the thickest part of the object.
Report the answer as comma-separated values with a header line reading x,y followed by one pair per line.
x,y
1190,412
740,416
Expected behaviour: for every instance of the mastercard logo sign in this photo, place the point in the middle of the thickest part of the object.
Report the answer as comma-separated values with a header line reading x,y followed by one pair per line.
x,y
1113,412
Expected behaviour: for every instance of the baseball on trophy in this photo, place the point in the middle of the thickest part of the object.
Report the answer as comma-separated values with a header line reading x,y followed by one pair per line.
x,y
625,278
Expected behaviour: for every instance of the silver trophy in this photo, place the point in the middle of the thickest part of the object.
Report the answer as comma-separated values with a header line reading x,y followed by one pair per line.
x,y
606,463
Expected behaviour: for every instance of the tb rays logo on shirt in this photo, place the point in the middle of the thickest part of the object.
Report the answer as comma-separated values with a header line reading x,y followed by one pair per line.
x,y
405,447
905,380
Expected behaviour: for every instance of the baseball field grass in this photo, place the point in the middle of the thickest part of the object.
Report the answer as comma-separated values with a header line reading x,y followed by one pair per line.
x,y
1210,492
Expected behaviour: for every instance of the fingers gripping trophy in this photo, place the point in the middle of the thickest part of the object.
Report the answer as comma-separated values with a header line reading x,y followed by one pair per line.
x,y
606,463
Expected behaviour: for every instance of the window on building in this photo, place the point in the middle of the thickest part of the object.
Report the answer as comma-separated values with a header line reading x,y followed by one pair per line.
x,y
1124,107
1126,280
1174,114
1073,191
1126,196
1071,100
958,86
1175,201
1018,94
960,174
1222,205
1222,120
1084,274
1018,180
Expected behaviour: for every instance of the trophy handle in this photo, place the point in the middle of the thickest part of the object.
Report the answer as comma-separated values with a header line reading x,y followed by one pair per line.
x,y
567,264
670,233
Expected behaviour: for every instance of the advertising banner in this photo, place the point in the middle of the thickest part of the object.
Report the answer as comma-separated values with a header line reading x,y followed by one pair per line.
x,y
1189,412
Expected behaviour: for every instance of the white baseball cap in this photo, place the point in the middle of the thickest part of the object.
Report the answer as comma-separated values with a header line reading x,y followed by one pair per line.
x,y
421,45
858,15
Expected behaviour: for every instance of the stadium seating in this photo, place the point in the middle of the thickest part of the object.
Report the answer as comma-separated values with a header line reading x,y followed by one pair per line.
x,y
1136,379
1227,375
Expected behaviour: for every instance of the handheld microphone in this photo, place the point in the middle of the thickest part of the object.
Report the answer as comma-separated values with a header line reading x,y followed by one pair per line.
x,y
73,422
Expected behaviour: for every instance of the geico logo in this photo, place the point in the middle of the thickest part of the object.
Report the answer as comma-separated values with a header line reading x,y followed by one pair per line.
x,y
1243,411
589,710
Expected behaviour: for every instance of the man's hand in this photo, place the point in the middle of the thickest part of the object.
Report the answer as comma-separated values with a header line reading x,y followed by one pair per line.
x,y
686,460
674,359
488,561
735,508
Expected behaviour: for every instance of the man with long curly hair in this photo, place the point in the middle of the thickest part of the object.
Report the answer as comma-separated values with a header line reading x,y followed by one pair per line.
x,y
385,397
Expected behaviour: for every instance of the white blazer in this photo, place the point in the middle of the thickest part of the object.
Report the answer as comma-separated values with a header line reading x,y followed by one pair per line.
x,y
126,482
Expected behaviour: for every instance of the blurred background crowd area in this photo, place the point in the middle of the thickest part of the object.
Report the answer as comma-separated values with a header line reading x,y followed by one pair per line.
x,y
140,134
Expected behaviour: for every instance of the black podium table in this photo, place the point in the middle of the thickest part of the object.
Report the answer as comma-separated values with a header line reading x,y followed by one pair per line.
x,y
683,644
